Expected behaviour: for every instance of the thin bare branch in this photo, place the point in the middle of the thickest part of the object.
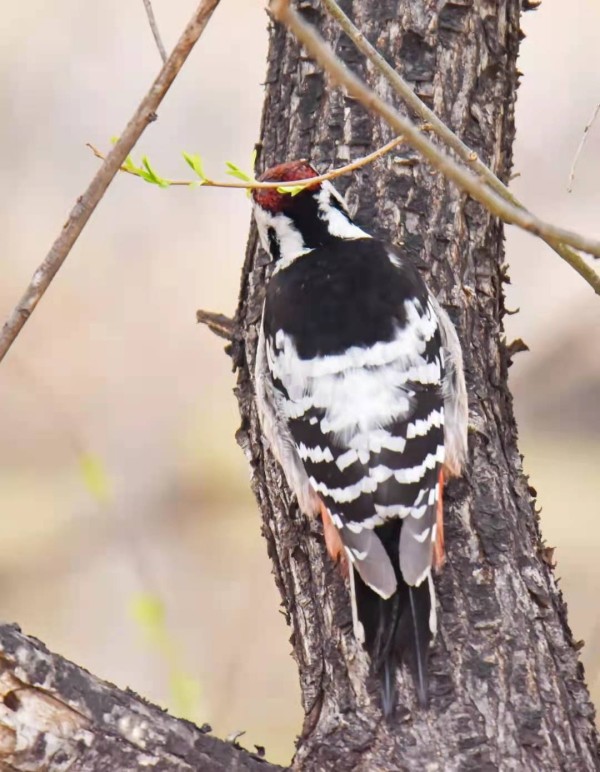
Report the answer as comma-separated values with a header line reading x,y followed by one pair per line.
x,y
155,32
579,150
463,178
220,324
85,205
255,184
463,151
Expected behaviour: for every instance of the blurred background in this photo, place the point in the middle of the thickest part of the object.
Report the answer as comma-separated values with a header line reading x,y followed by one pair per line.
x,y
129,540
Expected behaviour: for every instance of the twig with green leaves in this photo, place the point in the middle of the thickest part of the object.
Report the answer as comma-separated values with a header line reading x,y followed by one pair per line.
x,y
472,184
247,182
217,323
86,203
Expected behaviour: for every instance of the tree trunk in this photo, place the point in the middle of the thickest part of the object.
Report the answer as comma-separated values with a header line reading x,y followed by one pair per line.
x,y
506,685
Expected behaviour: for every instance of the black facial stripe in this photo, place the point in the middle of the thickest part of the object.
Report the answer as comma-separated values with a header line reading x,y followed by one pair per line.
x,y
337,204
273,244
306,216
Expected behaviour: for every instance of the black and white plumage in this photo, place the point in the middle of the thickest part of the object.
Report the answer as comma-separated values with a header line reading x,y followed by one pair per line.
x,y
361,396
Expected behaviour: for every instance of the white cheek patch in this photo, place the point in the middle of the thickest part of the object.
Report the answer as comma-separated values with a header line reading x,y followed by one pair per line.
x,y
289,238
338,223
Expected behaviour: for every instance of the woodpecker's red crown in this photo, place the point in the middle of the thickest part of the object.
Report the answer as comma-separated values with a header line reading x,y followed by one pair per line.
x,y
271,199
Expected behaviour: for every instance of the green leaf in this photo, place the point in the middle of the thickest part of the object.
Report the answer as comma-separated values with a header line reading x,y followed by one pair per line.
x,y
235,171
131,167
293,190
253,160
195,162
151,176
114,139
95,477
148,612
196,184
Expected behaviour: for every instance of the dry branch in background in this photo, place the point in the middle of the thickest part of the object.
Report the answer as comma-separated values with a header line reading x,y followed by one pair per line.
x,y
581,145
155,30
56,716
82,211
455,143
466,180
221,325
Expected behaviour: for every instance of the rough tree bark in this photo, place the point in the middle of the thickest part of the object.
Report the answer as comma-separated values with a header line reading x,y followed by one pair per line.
x,y
507,689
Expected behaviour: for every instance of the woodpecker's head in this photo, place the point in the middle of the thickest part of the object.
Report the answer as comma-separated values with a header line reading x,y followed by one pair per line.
x,y
290,225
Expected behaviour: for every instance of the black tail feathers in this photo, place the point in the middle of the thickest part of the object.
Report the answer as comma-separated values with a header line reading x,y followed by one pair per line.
x,y
414,635
396,631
